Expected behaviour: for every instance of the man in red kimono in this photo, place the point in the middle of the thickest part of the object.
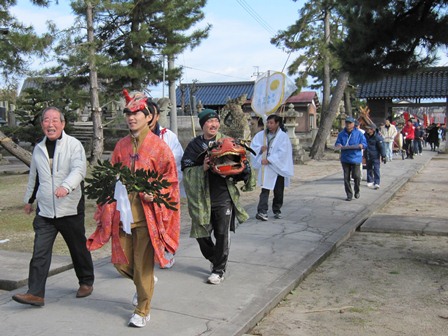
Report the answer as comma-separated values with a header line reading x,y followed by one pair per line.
x,y
153,229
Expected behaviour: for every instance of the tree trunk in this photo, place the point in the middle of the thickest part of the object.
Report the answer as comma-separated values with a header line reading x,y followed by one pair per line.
x,y
327,75
98,135
20,153
172,95
317,149
348,103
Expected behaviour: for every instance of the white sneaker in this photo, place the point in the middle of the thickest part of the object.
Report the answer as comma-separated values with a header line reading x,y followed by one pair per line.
x,y
376,186
138,321
170,257
370,184
215,279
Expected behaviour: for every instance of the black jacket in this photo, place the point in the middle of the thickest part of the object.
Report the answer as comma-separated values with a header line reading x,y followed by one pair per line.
x,y
375,148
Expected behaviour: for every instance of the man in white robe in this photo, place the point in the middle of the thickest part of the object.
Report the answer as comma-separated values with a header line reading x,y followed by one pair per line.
x,y
172,141
274,163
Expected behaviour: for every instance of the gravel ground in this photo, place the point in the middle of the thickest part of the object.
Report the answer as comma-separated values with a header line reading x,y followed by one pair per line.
x,y
376,283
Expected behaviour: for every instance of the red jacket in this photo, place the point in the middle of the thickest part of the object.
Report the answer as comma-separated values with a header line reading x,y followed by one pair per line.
x,y
408,132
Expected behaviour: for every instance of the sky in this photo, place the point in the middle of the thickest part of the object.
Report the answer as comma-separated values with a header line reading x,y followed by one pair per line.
x,y
238,45
237,48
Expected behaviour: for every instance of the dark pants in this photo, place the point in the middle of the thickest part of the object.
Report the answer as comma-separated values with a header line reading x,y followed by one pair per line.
x,y
409,148
351,170
373,171
277,202
45,231
218,253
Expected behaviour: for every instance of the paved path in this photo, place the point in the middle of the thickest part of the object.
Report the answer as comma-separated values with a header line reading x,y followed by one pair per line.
x,y
267,260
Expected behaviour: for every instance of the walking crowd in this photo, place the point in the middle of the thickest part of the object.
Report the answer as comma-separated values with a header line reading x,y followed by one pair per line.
x,y
367,149
144,234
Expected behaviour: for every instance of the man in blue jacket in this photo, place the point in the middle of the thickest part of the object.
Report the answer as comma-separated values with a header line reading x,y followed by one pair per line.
x,y
351,142
374,152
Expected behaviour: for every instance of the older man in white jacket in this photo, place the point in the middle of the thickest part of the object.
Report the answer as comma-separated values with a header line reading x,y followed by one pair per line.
x,y
58,167
274,163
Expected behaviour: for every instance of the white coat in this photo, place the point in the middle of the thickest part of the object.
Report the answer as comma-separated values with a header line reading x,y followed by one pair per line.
x,y
279,157
69,170
172,141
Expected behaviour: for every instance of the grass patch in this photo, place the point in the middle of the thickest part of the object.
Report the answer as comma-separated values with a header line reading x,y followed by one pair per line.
x,y
12,190
17,226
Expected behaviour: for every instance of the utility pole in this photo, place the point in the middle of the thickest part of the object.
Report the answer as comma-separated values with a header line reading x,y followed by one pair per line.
x,y
172,95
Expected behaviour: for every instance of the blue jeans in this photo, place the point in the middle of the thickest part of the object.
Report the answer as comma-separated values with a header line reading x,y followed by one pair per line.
x,y
373,171
418,148
388,148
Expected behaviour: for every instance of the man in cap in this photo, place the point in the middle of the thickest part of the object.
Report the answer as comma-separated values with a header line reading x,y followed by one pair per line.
x,y
153,229
351,142
373,153
213,200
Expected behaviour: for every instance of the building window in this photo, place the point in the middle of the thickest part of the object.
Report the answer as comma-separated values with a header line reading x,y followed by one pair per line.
x,y
312,123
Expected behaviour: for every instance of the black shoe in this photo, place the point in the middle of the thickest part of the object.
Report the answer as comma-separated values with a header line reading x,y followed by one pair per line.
x,y
357,195
348,199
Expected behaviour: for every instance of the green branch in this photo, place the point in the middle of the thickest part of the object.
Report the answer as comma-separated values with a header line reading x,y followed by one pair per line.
x,y
101,186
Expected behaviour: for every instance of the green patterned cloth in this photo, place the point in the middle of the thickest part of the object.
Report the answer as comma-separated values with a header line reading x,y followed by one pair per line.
x,y
196,184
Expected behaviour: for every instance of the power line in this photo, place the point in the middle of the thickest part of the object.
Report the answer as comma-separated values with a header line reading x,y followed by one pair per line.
x,y
214,73
256,16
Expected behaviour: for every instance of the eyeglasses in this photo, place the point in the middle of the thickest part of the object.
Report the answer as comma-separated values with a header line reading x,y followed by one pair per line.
x,y
51,121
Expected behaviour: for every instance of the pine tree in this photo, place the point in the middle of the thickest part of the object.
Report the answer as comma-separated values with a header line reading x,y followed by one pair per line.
x,y
130,38
379,37
391,37
18,42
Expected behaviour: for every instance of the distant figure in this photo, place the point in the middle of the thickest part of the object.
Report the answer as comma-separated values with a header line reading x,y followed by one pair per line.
x,y
408,132
351,142
363,165
274,163
418,140
389,132
58,168
433,137
374,152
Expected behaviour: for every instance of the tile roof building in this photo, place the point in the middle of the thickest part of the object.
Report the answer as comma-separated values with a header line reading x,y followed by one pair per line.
x,y
428,83
216,95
